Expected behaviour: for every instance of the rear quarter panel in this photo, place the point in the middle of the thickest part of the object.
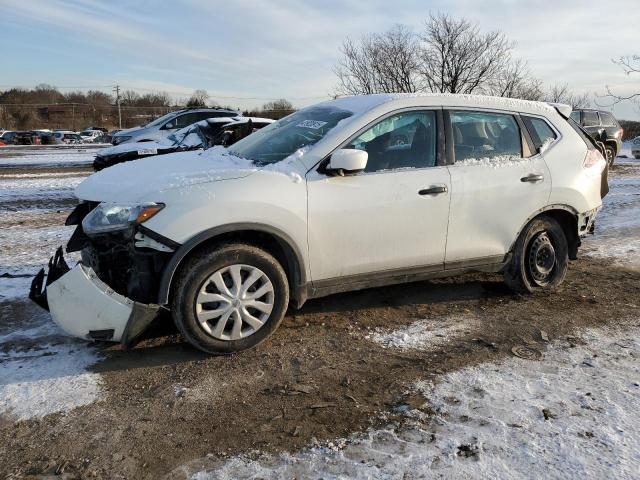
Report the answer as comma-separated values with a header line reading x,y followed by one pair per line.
x,y
572,184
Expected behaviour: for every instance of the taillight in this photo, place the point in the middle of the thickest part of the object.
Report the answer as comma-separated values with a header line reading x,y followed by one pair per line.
x,y
594,159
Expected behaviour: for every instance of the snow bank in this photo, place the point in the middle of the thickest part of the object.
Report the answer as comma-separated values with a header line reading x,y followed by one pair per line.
x,y
571,415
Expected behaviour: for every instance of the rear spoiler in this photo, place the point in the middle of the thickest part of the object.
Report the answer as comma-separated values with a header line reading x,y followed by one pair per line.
x,y
562,108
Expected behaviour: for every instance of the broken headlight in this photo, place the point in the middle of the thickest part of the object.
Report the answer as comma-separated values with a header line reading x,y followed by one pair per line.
x,y
113,217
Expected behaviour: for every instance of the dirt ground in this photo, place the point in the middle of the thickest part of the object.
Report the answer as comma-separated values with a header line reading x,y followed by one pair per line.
x,y
165,404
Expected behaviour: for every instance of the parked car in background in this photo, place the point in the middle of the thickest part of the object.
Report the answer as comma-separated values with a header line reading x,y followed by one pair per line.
x,y
24,137
200,135
635,150
88,136
603,127
321,202
67,137
6,136
171,122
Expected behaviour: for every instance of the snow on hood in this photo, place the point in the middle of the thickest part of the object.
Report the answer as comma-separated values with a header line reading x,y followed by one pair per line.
x,y
132,181
132,147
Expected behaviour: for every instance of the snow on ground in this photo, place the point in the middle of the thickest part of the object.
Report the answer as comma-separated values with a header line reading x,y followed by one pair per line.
x,y
424,334
32,246
42,370
44,186
49,156
48,379
618,223
571,415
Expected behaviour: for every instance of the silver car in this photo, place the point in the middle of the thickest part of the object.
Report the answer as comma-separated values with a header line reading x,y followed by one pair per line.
x,y
167,124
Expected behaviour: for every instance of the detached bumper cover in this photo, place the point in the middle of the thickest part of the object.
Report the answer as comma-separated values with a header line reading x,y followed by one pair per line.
x,y
84,306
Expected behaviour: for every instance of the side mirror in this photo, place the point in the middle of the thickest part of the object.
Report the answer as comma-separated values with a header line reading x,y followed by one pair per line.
x,y
168,126
348,161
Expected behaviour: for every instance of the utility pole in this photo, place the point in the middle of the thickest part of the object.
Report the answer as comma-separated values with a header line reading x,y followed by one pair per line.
x,y
117,90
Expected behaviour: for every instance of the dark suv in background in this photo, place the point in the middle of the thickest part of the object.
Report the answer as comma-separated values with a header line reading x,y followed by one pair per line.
x,y
603,127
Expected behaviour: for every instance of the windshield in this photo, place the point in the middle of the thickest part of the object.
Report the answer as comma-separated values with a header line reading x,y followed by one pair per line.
x,y
278,140
160,120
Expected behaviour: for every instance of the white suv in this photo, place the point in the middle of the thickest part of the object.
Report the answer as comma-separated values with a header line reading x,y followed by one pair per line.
x,y
348,194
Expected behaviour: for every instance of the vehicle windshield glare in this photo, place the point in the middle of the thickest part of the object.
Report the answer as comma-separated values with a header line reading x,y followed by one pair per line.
x,y
278,140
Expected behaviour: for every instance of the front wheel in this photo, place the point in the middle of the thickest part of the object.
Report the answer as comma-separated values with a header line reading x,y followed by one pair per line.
x,y
540,257
230,298
610,154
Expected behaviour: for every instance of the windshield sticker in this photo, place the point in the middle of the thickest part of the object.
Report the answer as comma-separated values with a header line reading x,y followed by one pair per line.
x,y
313,124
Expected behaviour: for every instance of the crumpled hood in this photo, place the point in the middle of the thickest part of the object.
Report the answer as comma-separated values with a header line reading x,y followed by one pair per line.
x,y
137,180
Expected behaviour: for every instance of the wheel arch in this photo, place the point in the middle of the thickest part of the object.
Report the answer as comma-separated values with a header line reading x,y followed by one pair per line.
x,y
567,217
271,239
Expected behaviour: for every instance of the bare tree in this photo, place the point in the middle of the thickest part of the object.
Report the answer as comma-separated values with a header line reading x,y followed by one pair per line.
x,y
198,99
281,104
458,58
386,62
630,65
560,93
515,81
129,98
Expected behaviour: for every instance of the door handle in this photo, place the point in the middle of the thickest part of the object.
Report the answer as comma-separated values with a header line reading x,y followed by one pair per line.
x,y
437,190
532,177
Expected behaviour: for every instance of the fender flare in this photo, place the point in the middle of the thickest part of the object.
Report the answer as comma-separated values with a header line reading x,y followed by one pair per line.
x,y
299,279
557,206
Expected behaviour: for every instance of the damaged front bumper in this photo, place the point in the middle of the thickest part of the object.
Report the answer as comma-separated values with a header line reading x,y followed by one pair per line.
x,y
86,307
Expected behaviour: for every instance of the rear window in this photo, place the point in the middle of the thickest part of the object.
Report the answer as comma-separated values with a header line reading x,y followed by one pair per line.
x,y
539,130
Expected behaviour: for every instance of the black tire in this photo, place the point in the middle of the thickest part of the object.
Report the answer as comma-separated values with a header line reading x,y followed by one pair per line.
x,y
610,154
196,272
540,257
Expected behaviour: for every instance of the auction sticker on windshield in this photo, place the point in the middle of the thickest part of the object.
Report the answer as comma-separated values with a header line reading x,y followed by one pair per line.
x,y
313,124
148,151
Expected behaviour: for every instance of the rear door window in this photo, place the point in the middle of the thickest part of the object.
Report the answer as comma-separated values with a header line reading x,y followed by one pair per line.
x,y
478,135
539,130
590,119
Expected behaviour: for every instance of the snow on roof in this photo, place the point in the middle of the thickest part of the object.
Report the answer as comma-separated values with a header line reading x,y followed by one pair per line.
x,y
359,104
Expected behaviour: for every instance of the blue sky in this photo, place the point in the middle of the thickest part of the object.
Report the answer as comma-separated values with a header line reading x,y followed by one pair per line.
x,y
247,52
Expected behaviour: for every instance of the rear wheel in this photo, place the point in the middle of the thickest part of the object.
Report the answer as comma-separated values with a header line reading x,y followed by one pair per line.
x,y
540,257
230,298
